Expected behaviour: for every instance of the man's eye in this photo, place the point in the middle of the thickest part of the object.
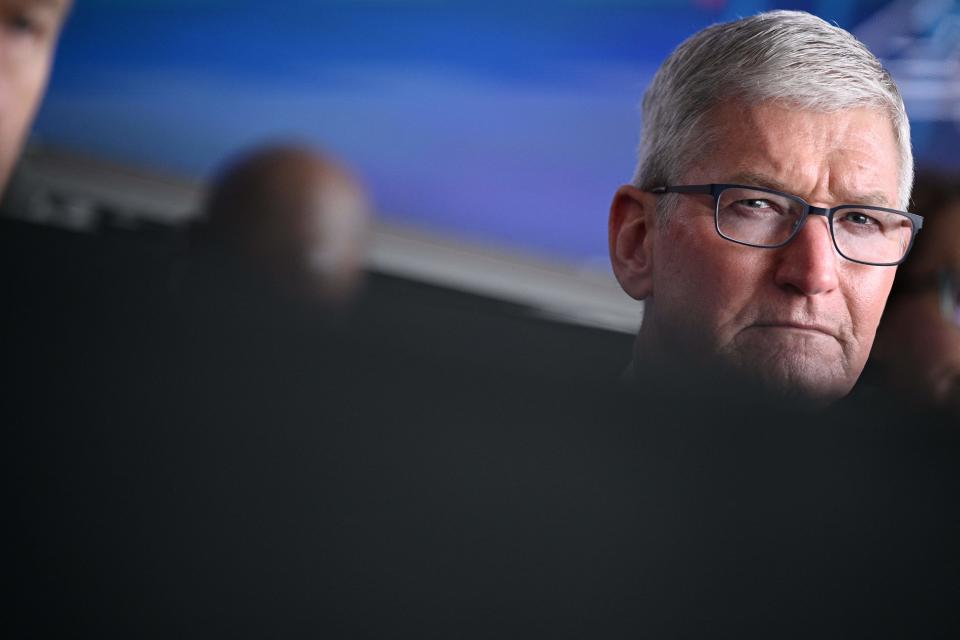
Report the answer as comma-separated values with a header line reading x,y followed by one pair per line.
x,y
756,204
859,218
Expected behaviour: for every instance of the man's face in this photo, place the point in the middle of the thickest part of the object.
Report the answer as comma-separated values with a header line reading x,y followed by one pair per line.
x,y
799,319
28,35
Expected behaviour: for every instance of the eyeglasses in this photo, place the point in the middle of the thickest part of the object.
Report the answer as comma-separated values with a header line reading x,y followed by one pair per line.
x,y
764,218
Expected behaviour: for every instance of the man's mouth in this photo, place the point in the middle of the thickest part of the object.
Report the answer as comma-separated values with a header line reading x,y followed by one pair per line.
x,y
790,325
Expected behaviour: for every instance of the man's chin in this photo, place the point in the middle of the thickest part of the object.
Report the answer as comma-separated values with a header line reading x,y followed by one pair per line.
x,y
780,383
797,381
808,392
802,368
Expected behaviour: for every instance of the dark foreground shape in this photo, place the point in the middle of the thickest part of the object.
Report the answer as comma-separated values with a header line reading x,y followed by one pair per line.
x,y
444,469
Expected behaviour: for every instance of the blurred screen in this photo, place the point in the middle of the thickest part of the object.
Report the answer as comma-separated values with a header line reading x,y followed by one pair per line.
x,y
506,123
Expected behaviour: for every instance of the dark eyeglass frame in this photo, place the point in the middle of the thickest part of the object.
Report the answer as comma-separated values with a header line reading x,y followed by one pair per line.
x,y
808,209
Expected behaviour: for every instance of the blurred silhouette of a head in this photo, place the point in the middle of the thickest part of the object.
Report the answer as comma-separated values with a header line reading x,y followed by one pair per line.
x,y
297,216
918,343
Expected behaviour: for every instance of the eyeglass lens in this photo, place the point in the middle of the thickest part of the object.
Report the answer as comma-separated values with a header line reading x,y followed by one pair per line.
x,y
767,219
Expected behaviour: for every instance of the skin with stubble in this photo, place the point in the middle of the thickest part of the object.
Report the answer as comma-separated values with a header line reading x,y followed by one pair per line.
x,y
28,37
798,320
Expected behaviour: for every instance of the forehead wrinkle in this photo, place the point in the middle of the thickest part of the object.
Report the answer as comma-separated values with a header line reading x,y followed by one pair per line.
x,y
840,196
832,179
843,193
739,121
757,179
851,158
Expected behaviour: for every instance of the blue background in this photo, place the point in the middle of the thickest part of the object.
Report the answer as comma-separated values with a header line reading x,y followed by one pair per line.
x,y
506,123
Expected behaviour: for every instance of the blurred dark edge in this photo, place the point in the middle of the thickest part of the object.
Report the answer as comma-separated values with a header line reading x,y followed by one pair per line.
x,y
192,454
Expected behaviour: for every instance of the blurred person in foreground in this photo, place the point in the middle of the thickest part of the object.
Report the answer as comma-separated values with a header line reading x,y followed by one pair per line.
x,y
296,216
918,343
766,216
263,309
28,38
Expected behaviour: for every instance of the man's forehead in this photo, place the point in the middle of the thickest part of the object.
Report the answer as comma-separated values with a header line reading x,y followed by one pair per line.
x,y
760,179
849,154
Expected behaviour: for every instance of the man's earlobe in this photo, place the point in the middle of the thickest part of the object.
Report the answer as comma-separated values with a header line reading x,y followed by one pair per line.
x,y
631,233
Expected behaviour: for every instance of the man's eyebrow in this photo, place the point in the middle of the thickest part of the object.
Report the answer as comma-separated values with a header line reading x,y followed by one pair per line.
x,y
875,198
751,179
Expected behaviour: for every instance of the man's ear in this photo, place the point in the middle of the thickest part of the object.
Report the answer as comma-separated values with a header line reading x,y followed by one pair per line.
x,y
631,233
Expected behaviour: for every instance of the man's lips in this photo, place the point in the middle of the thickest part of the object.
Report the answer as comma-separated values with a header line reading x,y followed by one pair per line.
x,y
797,326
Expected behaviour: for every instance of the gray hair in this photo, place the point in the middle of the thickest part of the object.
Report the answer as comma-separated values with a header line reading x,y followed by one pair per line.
x,y
786,56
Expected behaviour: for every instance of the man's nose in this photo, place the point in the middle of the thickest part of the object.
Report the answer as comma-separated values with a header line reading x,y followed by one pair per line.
x,y
809,263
